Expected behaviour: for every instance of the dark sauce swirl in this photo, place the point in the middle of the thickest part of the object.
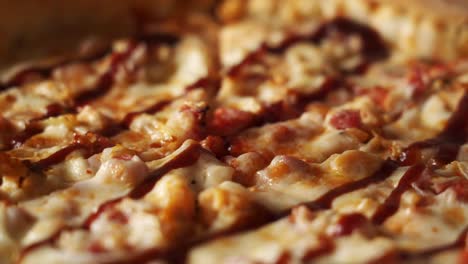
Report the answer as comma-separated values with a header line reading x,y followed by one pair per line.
x,y
374,47
447,142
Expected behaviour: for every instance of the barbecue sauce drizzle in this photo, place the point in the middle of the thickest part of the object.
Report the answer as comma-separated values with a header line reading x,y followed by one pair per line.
x,y
326,200
374,47
102,86
106,80
392,203
448,142
103,136
19,77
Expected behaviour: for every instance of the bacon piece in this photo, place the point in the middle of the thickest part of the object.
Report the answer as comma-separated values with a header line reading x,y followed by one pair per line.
x,y
228,121
461,189
463,257
422,75
348,223
96,248
377,94
216,144
418,81
459,186
118,216
346,119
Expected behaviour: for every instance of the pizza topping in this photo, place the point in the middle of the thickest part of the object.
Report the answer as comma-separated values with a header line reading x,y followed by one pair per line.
x,y
373,46
417,82
106,80
348,223
346,119
392,202
312,137
377,94
228,121
216,144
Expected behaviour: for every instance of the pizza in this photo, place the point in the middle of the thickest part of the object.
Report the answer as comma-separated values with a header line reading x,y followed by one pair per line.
x,y
236,131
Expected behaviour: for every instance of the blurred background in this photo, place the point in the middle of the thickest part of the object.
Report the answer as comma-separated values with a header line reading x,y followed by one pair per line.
x,y
34,29
30,29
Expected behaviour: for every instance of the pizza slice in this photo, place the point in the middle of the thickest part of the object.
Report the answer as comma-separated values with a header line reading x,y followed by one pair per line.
x,y
237,131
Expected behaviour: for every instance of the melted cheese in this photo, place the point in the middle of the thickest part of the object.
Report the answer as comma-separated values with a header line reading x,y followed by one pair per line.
x,y
163,216
301,138
301,123
288,181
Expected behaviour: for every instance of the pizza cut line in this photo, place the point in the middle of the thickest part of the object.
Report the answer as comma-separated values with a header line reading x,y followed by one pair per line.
x,y
227,137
